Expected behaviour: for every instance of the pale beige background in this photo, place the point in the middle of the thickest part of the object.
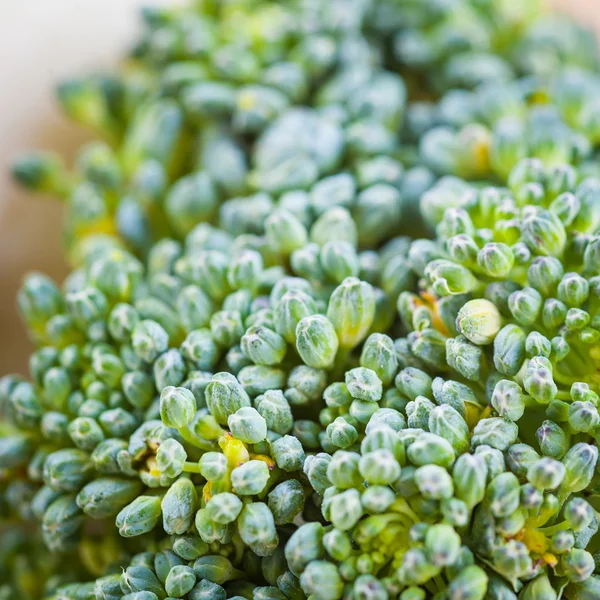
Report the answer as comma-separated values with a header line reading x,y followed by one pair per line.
x,y
41,42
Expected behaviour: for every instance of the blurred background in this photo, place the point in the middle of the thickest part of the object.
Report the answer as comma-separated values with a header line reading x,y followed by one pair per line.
x,y
42,42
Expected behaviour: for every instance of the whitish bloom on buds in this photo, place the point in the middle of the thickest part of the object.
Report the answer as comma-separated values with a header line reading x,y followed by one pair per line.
x,y
579,514
322,578
578,565
286,501
539,381
304,546
470,584
316,341
479,321
379,467
379,355
508,399
345,509
288,453
447,277
179,506
213,465
580,462
364,384
434,482
351,310
291,308
225,396
496,432
544,233
275,410
546,473
496,260
139,517
342,433
285,232
247,425
170,458
257,529
430,449
263,346
224,507
177,406
250,478
446,422
470,479
180,580
502,494
442,544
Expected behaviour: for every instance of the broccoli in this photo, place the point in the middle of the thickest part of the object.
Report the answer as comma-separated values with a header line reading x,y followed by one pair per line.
x,y
332,327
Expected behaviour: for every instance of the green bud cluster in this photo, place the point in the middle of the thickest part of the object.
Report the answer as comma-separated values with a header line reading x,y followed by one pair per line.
x,y
258,382
431,504
483,133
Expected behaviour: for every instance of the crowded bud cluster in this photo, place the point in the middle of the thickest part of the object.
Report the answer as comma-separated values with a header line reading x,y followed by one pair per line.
x,y
332,329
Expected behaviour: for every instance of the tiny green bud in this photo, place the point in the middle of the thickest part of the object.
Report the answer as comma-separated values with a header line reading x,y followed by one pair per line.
x,y
177,407
285,232
224,508
470,478
339,260
496,432
180,580
291,308
139,517
316,341
250,478
434,482
342,433
149,340
257,529
508,400
106,496
578,514
525,306
379,467
509,349
431,449
496,260
364,384
263,346
448,278
546,473
345,509
247,425
288,453
286,501
351,310
275,410
224,396
67,470
577,565
322,578
379,355
442,544
503,495
544,233
179,506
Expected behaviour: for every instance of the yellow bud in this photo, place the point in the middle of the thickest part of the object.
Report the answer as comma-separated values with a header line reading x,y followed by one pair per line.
x,y
234,450
550,559
264,458
206,492
535,540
